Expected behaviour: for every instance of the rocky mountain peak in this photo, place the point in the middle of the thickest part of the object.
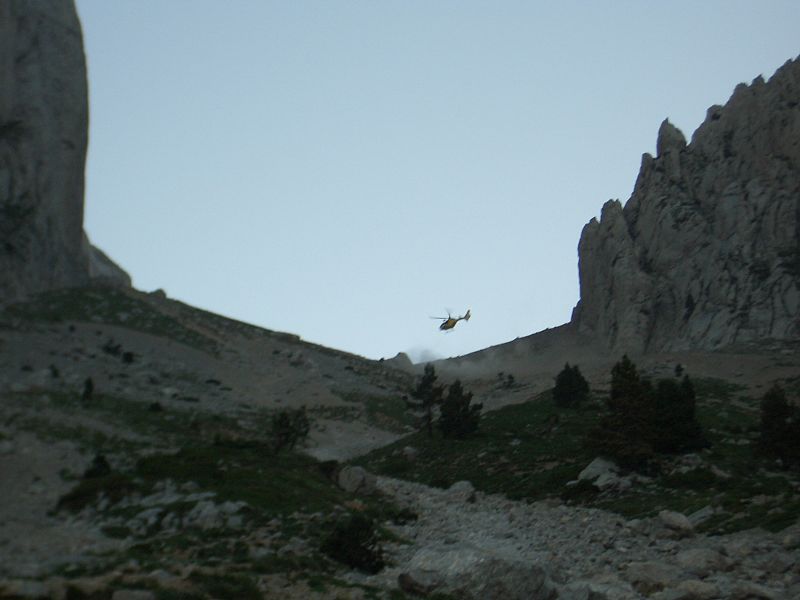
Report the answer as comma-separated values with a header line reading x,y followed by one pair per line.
x,y
43,140
705,251
670,138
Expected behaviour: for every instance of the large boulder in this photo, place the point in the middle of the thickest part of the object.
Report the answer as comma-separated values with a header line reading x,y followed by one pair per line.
x,y
356,480
601,472
43,140
705,253
473,573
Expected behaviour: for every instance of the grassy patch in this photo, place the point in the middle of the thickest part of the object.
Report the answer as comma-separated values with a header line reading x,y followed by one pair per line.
x,y
272,485
526,450
105,305
219,585
384,412
532,450
248,472
91,423
114,486
709,387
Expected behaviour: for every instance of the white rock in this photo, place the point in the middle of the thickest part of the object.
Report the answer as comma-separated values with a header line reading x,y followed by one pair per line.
x,y
597,468
460,492
702,515
677,522
410,453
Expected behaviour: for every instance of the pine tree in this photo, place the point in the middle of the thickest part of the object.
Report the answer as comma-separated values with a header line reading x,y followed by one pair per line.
x,y
625,434
643,420
426,397
458,417
571,387
675,428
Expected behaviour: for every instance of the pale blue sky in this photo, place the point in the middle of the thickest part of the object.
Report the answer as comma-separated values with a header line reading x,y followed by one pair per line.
x,y
344,170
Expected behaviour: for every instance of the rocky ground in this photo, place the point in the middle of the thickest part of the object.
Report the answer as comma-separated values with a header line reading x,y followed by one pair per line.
x,y
166,377
486,546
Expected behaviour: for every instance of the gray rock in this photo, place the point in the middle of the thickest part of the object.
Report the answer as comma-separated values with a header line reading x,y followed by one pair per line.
x,y
230,508
790,538
43,140
592,590
474,573
672,594
460,492
133,595
205,515
777,562
356,480
699,590
419,582
148,518
649,577
676,522
24,590
598,467
702,561
400,361
410,453
747,590
704,253
701,516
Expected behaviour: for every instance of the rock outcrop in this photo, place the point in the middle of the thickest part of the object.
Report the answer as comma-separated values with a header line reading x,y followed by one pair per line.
x,y
499,548
43,140
705,252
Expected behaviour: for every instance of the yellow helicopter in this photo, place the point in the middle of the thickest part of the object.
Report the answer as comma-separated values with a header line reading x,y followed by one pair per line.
x,y
449,322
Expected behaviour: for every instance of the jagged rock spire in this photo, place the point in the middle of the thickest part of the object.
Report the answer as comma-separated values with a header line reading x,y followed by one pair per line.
x,y
705,252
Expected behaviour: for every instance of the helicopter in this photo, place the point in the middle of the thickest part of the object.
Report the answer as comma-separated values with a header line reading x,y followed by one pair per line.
x,y
449,322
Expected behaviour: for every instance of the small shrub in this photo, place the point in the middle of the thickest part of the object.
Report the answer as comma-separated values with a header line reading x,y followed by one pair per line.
x,y
114,486
98,468
111,348
354,543
571,387
583,491
779,427
288,428
88,389
458,417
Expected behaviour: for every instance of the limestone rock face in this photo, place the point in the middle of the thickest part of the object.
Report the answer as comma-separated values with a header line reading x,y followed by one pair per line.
x,y
43,139
705,252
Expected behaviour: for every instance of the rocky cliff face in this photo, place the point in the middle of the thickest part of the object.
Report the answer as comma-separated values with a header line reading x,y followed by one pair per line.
x,y
43,139
705,252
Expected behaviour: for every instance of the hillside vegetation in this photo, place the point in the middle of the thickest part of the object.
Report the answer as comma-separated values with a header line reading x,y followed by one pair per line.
x,y
536,450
